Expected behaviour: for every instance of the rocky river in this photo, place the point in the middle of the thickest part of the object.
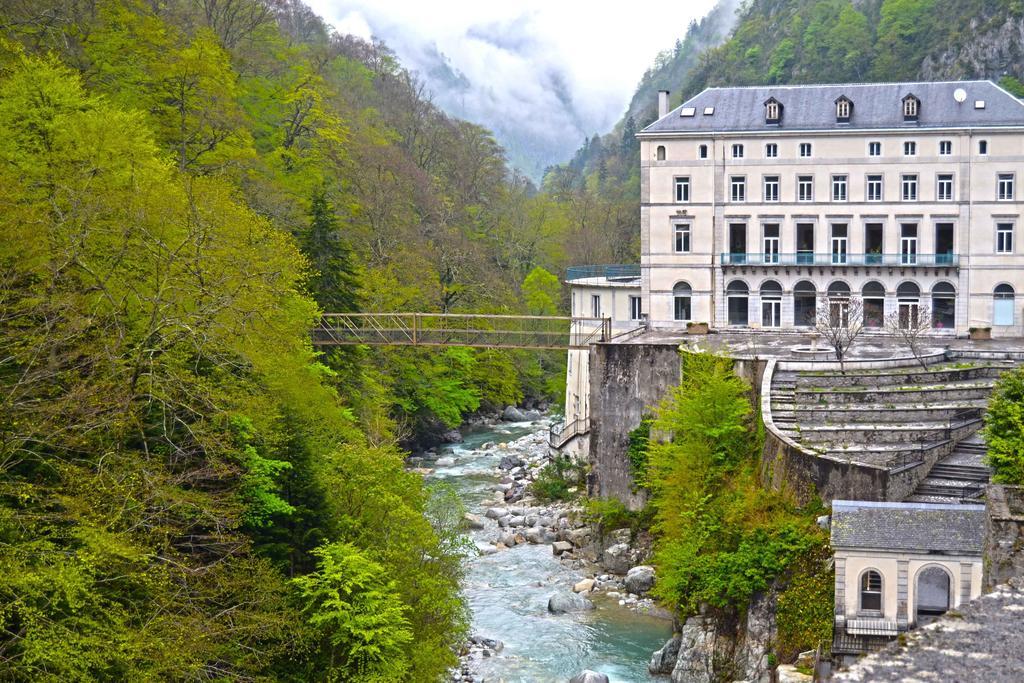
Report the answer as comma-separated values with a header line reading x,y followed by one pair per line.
x,y
517,577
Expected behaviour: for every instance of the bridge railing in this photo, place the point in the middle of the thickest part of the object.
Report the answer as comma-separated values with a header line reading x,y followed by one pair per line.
x,y
561,432
461,329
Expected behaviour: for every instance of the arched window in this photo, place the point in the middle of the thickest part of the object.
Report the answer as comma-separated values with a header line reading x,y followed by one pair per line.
x,y
873,295
681,301
844,108
911,108
771,304
943,306
1002,305
871,591
908,300
805,304
839,304
661,152
737,299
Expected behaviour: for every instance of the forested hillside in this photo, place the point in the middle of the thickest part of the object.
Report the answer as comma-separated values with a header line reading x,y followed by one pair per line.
x,y
807,41
187,490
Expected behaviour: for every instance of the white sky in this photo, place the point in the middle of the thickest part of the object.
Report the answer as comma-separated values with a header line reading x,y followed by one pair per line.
x,y
514,52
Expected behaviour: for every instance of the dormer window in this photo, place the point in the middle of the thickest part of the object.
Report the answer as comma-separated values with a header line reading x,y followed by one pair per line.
x,y
844,109
772,111
911,108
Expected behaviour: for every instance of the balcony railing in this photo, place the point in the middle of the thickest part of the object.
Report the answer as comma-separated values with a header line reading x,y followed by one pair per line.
x,y
628,271
807,258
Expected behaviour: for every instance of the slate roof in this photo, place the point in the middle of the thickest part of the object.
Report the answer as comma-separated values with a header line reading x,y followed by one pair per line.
x,y
875,106
912,527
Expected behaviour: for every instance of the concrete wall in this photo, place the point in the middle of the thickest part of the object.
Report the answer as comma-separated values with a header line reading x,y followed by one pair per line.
x,y
627,380
1004,534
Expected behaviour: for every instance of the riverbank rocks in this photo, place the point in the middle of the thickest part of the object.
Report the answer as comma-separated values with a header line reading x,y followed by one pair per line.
x,y
588,676
584,586
486,548
473,521
664,660
452,436
640,579
563,603
496,513
510,461
616,558
559,547
446,461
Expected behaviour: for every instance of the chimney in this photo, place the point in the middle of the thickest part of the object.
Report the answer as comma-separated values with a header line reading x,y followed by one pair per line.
x,y
662,103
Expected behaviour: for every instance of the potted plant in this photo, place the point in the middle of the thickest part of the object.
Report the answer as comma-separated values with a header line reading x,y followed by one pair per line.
x,y
980,333
696,328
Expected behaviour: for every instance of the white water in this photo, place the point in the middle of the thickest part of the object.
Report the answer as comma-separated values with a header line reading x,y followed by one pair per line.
x,y
508,593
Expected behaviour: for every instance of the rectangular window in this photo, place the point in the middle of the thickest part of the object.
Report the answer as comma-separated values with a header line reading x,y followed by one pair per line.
x,y
682,185
771,243
944,187
840,243
805,188
909,187
681,238
1004,187
874,188
945,148
982,147
874,235
1004,238
909,149
738,186
635,310
805,149
702,152
771,188
595,305
839,188
737,151
874,149
771,150
908,243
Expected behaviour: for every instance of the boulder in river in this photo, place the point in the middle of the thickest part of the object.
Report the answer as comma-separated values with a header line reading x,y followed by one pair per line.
x,y
561,603
495,513
664,660
452,436
513,414
585,586
588,676
446,461
510,462
640,579
616,558
473,521
559,547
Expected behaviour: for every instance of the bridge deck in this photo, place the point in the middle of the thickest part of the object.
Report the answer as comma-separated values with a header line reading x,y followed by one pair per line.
x,y
461,329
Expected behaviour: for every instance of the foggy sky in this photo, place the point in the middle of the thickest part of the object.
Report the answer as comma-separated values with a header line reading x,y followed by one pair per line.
x,y
543,74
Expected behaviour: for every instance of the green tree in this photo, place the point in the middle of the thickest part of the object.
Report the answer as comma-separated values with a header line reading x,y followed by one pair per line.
x,y
334,282
542,292
1004,429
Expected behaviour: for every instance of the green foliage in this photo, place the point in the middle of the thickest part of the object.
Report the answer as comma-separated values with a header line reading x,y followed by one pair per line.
x,y
611,514
637,450
804,612
1013,85
720,536
1004,429
560,479
542,291
357,617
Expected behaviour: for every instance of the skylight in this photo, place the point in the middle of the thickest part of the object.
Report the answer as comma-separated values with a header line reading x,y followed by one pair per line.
x,y
709,111
979,104
688,111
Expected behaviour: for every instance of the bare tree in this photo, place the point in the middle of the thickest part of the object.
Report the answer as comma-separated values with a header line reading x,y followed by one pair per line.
x,y
910,326
840,321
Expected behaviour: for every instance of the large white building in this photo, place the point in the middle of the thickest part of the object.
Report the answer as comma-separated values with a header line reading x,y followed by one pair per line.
x,y
760,204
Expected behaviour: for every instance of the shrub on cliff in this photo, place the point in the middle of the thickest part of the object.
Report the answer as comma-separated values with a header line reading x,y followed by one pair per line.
x,y
1004,429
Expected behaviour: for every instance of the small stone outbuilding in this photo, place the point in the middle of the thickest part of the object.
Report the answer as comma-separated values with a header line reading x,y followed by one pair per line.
x,y
900,565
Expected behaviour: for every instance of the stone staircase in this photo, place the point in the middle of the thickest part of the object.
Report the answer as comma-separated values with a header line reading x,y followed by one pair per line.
x,y
959,477
899,419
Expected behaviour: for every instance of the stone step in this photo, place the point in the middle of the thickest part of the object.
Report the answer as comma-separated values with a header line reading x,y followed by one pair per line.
x,y
968,473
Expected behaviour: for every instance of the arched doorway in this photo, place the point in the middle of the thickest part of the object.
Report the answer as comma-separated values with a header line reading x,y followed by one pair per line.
x,y
839,304
873,295
1002,305
908,299
737,295
932,592
804,304
771,304
943,306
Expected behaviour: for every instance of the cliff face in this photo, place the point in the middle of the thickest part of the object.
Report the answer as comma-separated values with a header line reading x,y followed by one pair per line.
x,y
990,47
